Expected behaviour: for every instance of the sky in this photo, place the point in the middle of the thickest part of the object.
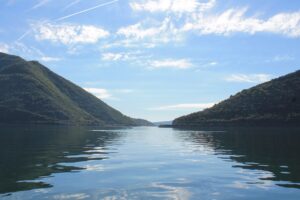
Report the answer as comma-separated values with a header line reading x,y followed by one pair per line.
x,y
156,59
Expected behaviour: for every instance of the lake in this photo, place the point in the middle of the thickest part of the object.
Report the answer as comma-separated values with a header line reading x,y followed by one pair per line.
x,y
48,162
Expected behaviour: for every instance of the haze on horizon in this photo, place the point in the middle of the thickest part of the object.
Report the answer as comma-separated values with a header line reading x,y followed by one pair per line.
x,y
156,59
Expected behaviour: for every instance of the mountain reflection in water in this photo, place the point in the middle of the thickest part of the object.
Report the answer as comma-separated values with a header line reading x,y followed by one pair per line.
x,y
275,150
29,153
49,162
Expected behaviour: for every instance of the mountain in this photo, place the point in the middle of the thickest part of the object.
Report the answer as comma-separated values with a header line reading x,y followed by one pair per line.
x,y
276,102
163,123
31,93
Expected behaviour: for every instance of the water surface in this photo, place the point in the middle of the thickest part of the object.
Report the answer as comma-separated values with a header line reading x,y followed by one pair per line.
x,y
47,162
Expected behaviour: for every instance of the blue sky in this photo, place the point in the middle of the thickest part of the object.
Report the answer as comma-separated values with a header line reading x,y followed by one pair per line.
x,y
156,59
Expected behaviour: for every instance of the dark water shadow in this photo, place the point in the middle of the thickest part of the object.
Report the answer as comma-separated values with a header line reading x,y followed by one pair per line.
x,y
274,150
29,153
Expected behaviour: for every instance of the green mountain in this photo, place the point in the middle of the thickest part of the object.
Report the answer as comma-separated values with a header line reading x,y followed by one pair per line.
x,y
31,93
276,102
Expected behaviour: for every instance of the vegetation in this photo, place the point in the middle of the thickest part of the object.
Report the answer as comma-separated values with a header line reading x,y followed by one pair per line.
x,y
276,102
31,93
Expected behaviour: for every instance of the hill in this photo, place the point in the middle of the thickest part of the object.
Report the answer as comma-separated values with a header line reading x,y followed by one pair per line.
x,y
162,123
276,102
31,93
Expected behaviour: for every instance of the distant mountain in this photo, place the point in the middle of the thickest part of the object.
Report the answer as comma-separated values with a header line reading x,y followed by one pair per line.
x,y
276,102
31,93
162,123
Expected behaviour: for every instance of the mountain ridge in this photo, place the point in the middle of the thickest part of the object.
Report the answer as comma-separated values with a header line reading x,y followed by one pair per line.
x,y
32,93
276,102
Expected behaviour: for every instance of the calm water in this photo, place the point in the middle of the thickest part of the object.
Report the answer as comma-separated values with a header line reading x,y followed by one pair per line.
x,y
148,163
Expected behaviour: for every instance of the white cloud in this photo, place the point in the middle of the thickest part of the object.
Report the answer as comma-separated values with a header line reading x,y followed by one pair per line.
x,y
112,56
199,17
104,93
171,63
284,23
205,65
123,56
99,92
198,106
151,33
139,32
137,58
50,59
214,63
177,6
4,48
235,21
249,78
69,34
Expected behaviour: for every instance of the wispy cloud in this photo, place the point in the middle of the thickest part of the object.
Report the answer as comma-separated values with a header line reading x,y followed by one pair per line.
x,y
123,56
71,4
99,92
171,63
150,33
177,6
86,10
124,91
203,20
213,63
23,35
235,21
111,94
147,61
139,32
50,59
40,4
281,58
4,48
197,106
249,78
69,34
30,52
25,50
113,56
43,2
